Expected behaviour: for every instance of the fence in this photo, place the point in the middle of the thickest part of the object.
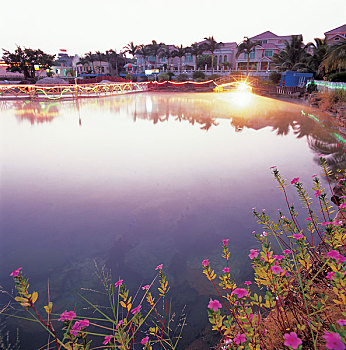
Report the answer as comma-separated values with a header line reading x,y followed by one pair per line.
x,y
328,85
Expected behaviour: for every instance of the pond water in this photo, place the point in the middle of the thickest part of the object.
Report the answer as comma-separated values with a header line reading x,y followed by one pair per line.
x,y
137,180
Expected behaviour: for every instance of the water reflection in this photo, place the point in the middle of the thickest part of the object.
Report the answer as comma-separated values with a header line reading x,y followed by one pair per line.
x,y
144,179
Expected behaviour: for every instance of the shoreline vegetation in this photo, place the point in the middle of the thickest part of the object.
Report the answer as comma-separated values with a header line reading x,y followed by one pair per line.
x,y
296,300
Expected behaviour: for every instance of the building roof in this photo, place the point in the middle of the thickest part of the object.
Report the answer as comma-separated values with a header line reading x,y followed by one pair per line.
x,y
264,35
338,30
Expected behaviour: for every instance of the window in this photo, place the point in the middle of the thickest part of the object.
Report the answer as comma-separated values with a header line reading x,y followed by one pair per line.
x,y
220,59
262,42
225,58
268,53
102,69
163,59
188,58
252,55
336,39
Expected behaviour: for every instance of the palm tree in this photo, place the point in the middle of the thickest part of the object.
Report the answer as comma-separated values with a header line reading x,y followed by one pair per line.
x,y
99,55
195,51
131,48
335,58
315,60
154,49
246,47
166,52
89,56
114,59
82,61
143,50
212,45
179,51
293,56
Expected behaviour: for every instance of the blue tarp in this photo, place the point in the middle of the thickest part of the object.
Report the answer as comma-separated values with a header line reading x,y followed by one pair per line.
x,y
292,78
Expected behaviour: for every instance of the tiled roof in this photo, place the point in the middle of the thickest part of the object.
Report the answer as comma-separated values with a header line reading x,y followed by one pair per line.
x,y
265,35
341,29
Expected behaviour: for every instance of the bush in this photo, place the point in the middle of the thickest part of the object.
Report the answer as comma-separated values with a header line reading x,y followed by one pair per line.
x,y
275,77
198,75
213,76
170,74
338,77
300,299
182,77
129,77
163,77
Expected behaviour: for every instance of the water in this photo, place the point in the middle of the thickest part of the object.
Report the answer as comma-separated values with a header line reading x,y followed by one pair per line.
x,y
138,180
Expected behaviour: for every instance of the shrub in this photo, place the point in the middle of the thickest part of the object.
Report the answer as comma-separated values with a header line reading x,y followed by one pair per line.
x,y
182,77
129,77
170,74
338,77
163,77
213,76
198,75
300,301
330,99
275,77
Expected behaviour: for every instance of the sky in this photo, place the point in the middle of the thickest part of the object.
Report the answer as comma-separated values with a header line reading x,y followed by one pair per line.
x,y
80,26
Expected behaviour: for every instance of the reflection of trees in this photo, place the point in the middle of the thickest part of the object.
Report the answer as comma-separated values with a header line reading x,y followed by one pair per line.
x,y
37,112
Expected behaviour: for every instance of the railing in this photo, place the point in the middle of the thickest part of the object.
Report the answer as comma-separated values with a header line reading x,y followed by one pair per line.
x,y
56,92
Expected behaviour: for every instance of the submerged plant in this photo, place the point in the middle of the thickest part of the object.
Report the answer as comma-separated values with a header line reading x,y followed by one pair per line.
x,y
298,300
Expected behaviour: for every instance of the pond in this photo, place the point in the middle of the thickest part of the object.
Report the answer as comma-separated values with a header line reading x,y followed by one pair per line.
x,y
137,180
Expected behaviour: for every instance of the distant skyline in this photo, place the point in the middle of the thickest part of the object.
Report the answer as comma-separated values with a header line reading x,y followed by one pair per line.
x,y
80,26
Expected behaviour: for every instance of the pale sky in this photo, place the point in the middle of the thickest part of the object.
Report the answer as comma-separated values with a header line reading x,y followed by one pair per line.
x,y
80,26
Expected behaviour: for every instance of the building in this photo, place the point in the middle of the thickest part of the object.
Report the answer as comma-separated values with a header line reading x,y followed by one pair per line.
x,y
336,35
261,59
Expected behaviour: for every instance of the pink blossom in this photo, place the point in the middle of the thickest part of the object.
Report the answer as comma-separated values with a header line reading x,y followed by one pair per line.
x,y
341,322
276,269
120,323
225,241
84,323
292,340
247,283
330,275
308,219
298,236
324,223
75,329
253,232
278,257
295,180
251,316
136,309
159,267
313,176
144,340
107,339
205,262
15,273
253,253
146,287
264,234
240,338
119,283
272,167
67,316
321,155
287,251
318,193
214,305
226,270
333,341
337,256
337,223
343,205
240,292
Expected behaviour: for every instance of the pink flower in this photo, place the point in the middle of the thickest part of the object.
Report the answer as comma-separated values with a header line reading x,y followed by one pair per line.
x,y
253,253
330,275
253,232
159,267
287,251
214,305
324,223
240,338
119,283
321,155
295,180
144,340
146,287
205,262
251,316
333,341
84,323
225,241
273,167
313,176
264,234
276,269
308,219
318,193
298,236
67,316
292,340
278,257
119,323
240,292
341,322
15,273
136,309
247,283
343,205
337,256
75,329
337,223
107,339
226,270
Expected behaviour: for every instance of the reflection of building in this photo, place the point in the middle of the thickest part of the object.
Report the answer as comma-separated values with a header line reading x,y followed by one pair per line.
x,y
261,59
37,112
336,35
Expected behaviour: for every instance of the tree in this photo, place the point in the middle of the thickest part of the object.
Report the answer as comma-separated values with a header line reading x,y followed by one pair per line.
x,y
143,50
195,51
179,51
100,55
115,60
315,60
24,61
335,58
131,49
90,57
166,52
154,49
246,47
212,45
293,56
